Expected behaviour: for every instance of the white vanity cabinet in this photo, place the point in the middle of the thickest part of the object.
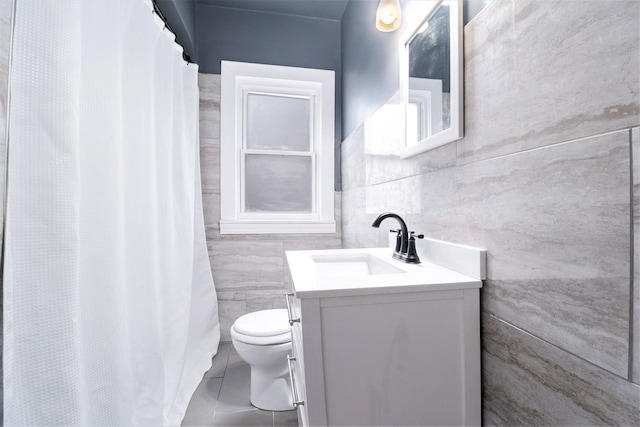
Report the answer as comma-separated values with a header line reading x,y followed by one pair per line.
x,y
386,356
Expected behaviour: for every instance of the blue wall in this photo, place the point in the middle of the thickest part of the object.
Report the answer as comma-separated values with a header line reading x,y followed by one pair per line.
x,y
181,16
369,64
266,38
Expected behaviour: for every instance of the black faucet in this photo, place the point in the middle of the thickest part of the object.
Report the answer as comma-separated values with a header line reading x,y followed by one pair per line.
x,y
405,242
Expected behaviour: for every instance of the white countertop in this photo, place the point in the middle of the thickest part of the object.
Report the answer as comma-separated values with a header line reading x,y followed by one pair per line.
x,y
426,276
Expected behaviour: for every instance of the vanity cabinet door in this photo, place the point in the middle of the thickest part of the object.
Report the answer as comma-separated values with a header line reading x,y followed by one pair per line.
x,y
396,359
401,359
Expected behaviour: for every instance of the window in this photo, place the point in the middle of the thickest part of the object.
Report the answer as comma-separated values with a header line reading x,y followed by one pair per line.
x,y
277,149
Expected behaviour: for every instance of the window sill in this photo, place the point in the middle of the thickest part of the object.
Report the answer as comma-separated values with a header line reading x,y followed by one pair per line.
x,y
277,227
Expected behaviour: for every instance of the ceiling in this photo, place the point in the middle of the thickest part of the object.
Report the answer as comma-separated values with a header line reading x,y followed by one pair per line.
x,y
324,9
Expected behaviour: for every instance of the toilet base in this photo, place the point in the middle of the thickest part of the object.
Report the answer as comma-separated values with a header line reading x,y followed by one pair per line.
x,y
270,393
263,340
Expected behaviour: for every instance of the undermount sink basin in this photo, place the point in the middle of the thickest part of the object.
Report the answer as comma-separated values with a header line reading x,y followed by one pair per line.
x,y
351,265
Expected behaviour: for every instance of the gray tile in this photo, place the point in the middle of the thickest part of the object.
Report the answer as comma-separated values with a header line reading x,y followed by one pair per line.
x,y
558,239
228,312
527,64
212,229
527,381
211,211
209,85
225,401
390,196
285,418
357,231
209,125
265,299
219,363
210,165
201,409
313,242
232,258
249,418
235,394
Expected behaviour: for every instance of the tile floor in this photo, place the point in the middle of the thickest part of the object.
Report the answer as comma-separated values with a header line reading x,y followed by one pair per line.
x,y
222,398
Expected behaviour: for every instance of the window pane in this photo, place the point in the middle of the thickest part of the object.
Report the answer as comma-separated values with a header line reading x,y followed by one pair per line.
x,y
278,123
278,183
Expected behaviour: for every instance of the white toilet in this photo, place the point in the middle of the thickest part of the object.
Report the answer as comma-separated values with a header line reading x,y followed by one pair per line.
x,y
263,340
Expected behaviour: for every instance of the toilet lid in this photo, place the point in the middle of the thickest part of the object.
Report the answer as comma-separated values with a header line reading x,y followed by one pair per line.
x,y
265,323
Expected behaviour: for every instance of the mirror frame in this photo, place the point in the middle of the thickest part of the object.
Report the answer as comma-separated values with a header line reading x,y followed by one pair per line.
x,y
456,130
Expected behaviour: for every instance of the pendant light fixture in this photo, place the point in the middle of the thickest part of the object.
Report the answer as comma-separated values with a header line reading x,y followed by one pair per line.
x,y
388,15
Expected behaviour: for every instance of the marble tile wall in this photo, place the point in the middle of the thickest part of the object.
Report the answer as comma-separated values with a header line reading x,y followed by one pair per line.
x,y
249,271
527,381
519,39
546,178
6,8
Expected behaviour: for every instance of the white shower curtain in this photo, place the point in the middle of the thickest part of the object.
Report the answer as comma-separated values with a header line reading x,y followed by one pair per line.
x,y
110,314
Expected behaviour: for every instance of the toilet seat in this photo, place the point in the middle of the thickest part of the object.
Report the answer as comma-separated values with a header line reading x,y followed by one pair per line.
x,y
266,327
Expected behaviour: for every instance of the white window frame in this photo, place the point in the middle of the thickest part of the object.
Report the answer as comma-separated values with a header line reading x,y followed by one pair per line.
x,y
237,81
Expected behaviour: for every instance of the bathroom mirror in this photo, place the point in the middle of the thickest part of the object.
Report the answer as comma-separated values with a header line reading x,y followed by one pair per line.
x,y
431,62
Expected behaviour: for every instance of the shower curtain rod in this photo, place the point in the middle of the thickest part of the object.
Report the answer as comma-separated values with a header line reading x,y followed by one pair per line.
x,y
158,12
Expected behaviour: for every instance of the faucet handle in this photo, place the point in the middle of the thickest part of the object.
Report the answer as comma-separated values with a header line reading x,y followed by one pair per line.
x,y
413,234
412,254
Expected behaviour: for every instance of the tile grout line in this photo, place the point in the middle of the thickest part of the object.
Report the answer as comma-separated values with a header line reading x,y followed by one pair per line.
x,y
556,346
223,374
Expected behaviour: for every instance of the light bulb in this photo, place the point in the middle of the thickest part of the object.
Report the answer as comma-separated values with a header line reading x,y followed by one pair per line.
x,y
388,19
